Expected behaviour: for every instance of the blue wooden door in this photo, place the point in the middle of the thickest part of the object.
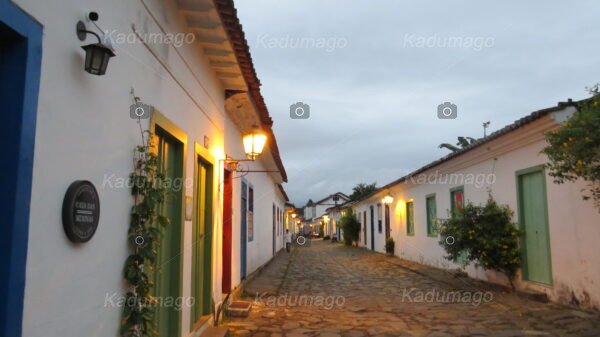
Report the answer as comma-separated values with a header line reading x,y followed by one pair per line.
x,y
372,228
274,227
20,62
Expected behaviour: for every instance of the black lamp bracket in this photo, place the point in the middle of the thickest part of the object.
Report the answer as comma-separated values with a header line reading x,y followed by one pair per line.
x,y
82,32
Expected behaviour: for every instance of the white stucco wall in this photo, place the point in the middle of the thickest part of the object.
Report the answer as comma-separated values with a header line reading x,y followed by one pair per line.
x,y
573,223
266,193
379,237
84,132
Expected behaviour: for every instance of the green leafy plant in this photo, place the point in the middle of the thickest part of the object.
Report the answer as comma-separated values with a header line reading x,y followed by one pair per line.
x,y
574,149
351,226
390,246
463,142
484,235
144,235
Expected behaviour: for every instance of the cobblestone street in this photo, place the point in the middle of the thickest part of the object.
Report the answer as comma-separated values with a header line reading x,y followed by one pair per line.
x,y
329,290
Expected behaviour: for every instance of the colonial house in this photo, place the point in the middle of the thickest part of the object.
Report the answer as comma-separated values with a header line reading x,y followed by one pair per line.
x,y
79,83
314,212
292,221
561,230
331,219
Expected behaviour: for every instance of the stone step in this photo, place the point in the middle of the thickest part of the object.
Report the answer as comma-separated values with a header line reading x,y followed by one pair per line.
x,y
533,295
201,325
215,331
239,309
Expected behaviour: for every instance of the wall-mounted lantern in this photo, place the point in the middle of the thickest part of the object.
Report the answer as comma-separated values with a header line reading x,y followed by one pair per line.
x,y
294,215
254,143
388,199
96,54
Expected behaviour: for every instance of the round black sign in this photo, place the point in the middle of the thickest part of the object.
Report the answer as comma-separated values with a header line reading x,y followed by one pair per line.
x,y
81,211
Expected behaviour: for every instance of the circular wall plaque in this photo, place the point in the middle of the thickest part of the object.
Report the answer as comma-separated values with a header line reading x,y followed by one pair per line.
x,y
81,211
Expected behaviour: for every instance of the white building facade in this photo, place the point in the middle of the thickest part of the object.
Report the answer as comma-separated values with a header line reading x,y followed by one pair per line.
x,y
188,60
509,166
315,214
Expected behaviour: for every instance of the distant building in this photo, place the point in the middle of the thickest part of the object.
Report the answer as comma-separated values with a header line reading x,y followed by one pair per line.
x,y
313,212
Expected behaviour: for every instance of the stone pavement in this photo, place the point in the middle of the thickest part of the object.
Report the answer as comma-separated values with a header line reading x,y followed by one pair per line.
x,y
330,290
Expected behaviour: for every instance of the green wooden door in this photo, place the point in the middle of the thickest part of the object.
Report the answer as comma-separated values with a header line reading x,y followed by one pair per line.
x,y
431,215
534,223
167,275
202,248
410,218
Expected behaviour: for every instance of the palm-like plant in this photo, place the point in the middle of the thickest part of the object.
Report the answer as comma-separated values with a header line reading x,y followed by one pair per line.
x,y
462,143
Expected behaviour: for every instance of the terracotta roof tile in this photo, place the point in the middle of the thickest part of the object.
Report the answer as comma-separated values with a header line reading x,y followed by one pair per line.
x,y
233,28
507,129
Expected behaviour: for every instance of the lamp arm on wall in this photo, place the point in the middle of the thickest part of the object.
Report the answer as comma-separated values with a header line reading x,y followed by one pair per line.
x,y
90,32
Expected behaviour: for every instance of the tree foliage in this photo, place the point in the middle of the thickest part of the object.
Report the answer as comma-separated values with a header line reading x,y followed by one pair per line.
x,y
351,226
574,149
362,190
484,235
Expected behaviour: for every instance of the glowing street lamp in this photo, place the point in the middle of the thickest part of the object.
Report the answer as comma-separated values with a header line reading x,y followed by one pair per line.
x,y
388,199
254,143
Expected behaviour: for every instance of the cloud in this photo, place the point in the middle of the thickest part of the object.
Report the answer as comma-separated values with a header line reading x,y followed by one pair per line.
x,y
373,101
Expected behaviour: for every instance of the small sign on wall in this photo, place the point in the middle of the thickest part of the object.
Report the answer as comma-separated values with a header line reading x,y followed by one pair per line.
x,y
81,211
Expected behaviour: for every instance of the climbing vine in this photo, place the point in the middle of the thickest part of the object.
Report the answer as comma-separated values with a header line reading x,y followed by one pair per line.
x,y
144,237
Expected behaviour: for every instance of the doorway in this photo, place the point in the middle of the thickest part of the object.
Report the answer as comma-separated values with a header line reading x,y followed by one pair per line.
x,y
533,219
243,229
365,227
203,235
372,228
227,229
167,275
274,228
387,222
20,63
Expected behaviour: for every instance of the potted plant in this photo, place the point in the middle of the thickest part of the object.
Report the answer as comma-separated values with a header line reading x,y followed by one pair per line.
x,y
389,246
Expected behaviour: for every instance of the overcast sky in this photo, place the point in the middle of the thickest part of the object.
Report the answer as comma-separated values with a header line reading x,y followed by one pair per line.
x,y
374,73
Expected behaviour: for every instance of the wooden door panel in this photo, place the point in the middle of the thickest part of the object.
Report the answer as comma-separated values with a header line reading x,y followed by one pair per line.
x,y
167,276
536,246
